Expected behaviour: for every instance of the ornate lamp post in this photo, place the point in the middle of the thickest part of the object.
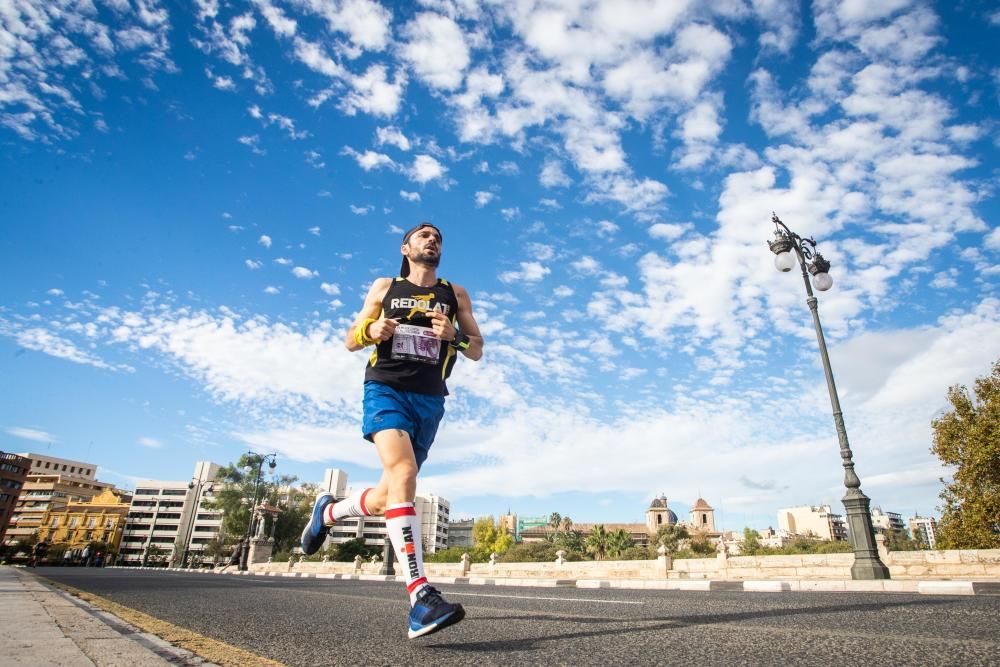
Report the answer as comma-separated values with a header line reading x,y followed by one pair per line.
x,y
272,462
789,247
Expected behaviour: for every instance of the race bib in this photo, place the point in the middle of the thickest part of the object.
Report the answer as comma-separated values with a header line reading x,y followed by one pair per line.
x,y
416,344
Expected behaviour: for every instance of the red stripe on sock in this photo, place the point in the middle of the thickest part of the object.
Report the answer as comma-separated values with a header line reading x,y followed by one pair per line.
x,y
400,511
364,508
417,583
329,514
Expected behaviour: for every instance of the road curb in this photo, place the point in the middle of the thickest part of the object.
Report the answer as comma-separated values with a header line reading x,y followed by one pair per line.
x,y
934,587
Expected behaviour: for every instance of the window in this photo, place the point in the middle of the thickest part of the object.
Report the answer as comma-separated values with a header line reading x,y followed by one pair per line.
x,y
46,465
73,522
64,467
91,522
55,522
72,468
109,523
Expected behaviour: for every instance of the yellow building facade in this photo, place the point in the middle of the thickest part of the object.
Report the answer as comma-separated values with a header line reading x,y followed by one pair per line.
x,y
99,519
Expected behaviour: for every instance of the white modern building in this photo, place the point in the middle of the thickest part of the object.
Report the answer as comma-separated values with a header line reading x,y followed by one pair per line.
x,y
886,522
169,520
812,520
924,529
434,512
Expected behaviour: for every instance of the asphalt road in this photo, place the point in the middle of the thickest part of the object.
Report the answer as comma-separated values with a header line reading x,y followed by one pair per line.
x,y
336,622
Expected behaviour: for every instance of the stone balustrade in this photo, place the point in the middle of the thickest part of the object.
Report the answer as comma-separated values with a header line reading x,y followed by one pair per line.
x,y
983,564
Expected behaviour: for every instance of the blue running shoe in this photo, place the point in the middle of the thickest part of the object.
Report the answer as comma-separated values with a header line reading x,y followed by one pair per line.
x,y
314,534
431,613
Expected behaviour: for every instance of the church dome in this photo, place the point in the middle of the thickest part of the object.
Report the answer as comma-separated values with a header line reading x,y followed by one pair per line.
x,y
671,518
659,503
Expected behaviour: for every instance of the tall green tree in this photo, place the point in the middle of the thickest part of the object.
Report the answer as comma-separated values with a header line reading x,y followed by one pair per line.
x,y
555,520
238,484
751,542
295,506
619,541
967,439
597,542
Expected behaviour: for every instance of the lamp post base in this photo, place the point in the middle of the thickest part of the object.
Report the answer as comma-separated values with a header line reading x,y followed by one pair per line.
x,y
867,565
387,559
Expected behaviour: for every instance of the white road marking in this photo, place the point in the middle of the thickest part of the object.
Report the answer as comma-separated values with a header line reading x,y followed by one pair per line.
x,y
534,597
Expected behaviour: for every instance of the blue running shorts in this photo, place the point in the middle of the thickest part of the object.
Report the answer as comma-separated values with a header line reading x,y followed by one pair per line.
x,y
417,414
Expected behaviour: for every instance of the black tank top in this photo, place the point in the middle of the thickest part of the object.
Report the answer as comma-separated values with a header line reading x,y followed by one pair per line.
x,y
414,359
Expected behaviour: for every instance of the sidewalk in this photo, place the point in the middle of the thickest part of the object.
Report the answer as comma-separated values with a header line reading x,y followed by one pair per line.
x,y
41,626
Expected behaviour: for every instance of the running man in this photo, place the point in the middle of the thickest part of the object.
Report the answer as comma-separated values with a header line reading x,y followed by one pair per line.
x,y
418,324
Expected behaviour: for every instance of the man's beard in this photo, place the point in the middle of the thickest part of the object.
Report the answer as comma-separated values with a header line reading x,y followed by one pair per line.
x,y
426,259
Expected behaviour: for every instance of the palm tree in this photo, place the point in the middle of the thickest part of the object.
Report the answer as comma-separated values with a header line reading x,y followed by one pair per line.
x,y
597,542
618,542
566,523
555,520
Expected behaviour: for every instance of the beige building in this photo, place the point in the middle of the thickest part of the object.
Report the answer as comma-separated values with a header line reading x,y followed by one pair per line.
x,y
52,483
886,522
99,519
812,521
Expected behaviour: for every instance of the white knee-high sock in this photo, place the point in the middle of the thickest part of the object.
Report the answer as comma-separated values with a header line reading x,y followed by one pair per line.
x,y
403,526
352,505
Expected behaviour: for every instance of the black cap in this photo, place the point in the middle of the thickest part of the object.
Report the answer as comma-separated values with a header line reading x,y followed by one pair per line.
x,y
404,270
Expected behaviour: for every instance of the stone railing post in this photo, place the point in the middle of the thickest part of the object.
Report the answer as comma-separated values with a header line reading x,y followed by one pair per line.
x,y
358,561
560,558
883,550
466,564
493,562
664,563
291,562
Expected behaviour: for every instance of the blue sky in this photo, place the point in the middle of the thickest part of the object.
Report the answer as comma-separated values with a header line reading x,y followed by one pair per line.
x,y
195,197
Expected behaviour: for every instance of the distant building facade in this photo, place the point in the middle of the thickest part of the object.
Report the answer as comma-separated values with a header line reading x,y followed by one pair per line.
x,y
924,530
460,533
98,519
887,522
168,520
13,474
433,510
812,520
51,484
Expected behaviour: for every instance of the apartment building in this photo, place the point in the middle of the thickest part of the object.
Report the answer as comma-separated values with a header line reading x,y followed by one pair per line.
x,y
13,475
51,484
170,521
812,520
886,522
924,529
434,512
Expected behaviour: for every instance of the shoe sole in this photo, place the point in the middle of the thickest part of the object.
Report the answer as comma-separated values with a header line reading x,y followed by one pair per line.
x,y
306,531
451,619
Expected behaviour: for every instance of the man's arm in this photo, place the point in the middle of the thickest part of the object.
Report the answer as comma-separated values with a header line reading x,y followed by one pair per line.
x,y
467,324
378,330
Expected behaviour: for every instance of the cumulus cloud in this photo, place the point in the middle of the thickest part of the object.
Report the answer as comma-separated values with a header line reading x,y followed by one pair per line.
x,y
32,434
530,272
425,169
436,50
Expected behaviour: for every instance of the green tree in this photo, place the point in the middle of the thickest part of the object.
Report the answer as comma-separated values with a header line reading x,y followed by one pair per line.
x,y
619,541
570,541
566,523
294,514
346,551
669,537
597,542
967,438
700,544
751,542
555,520
238,487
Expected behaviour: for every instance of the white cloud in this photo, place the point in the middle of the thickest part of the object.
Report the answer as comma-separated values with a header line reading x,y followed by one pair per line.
x,y
252,141
271,289
362,210
282,261
668,232
510,213
314,231
304,273
264,240
410,196
150,443
253,264
393,137
55,291
563,291
531,272
330,289
436,50
587,265
425,169
483,198
369,159
30,434
373,93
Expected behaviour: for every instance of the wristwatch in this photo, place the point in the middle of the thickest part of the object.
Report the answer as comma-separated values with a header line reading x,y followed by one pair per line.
x,y
460,342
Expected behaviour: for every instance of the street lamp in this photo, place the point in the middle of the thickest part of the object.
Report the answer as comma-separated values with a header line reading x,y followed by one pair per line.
x,y
786,242
272,462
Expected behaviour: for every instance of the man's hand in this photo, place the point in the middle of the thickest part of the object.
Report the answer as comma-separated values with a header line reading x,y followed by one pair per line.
x,y
442,326
381,330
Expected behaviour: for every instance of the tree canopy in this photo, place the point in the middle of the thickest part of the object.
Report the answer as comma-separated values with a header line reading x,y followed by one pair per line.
x,y
967,439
